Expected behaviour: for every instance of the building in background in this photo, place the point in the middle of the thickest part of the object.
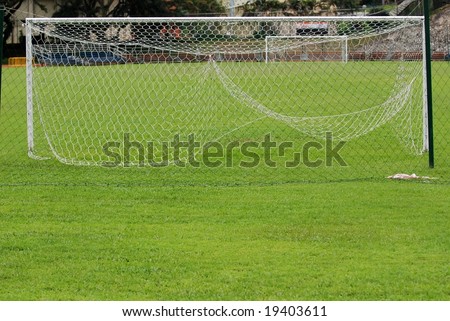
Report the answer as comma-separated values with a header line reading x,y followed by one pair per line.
x,y
28,9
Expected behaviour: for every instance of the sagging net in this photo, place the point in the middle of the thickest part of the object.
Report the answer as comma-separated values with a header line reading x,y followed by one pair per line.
x,y
97,81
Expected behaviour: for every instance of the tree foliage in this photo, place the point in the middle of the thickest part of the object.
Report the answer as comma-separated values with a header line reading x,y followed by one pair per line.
x,y
253,8
131,8
294,7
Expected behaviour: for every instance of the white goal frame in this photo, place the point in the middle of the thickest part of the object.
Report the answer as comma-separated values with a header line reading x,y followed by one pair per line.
x,y
346,54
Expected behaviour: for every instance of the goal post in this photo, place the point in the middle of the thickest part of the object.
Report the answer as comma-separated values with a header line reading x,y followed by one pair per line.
x,y
29,72
308,48
98,85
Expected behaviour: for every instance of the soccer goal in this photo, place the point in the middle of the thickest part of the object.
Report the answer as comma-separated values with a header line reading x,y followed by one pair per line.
x,y
307,48
100,87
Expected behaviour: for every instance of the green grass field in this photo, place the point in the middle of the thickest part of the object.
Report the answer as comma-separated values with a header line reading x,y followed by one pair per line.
x,y
82,108
334,241
94,233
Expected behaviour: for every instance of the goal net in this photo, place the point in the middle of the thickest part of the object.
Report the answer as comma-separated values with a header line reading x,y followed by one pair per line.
x,y
306,48
162,91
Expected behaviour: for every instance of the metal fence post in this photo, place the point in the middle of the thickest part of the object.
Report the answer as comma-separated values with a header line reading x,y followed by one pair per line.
x,y
426,13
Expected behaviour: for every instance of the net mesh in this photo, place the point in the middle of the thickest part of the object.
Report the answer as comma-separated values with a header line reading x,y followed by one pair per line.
x,y
162,91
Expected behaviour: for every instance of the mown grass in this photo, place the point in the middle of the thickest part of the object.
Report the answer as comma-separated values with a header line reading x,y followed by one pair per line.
x,y
82,109
334,241
92,233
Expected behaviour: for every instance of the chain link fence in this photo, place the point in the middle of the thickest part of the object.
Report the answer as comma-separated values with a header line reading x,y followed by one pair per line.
x,y
376,153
